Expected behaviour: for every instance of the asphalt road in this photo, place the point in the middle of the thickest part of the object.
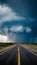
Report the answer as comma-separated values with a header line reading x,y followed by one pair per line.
x,y
9,57
27,58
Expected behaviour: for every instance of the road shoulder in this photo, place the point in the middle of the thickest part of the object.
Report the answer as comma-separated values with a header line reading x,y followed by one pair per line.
x,y
29,49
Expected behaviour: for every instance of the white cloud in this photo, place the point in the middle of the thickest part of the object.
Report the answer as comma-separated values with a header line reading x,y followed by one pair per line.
x,y
28,29
3,38
7,38
17,28
7,14
12,37
20,28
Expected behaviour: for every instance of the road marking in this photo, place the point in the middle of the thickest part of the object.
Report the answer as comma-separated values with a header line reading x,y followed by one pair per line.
x,y
6,49
18,56
28,49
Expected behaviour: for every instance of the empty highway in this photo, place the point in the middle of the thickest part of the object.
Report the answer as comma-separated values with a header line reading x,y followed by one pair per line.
x,y
27,58
9,57
18,55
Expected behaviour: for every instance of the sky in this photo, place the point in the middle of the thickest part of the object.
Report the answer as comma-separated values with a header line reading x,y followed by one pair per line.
x,y
18,21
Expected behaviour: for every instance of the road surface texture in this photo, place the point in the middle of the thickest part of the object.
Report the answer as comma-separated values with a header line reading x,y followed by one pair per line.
x,y
9,57
18,55
27,58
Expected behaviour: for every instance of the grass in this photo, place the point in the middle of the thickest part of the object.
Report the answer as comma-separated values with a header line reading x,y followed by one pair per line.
x,y
32,46
4,45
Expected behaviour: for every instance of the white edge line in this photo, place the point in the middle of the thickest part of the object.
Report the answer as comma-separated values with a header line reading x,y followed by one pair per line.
x,y
28,49
7,49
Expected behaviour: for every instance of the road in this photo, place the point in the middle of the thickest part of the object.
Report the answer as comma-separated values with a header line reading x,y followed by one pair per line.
x,y
27,58
13,55
9,57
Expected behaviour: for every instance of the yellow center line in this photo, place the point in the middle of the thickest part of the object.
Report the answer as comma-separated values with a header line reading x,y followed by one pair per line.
x,y
18,56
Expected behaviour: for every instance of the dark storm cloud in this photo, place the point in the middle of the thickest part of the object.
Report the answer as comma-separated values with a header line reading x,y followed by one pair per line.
x,y
34,29
26,8
3,1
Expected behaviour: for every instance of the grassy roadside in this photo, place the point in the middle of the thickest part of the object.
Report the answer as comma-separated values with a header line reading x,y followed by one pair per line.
x,y
32,46
4,45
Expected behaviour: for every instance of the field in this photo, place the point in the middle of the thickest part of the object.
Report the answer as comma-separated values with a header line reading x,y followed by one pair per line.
x,y
4,45
32,47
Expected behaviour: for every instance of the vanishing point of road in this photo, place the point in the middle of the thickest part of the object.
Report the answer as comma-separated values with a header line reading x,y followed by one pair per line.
x,y
17,55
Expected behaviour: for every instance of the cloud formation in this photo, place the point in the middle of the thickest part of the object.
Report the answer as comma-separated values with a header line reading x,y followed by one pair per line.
x,y
3,38
7,38
20,28
28,29
7,14
17,28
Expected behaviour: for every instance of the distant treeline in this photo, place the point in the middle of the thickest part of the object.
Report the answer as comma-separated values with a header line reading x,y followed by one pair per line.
x,y
6,44
30,43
